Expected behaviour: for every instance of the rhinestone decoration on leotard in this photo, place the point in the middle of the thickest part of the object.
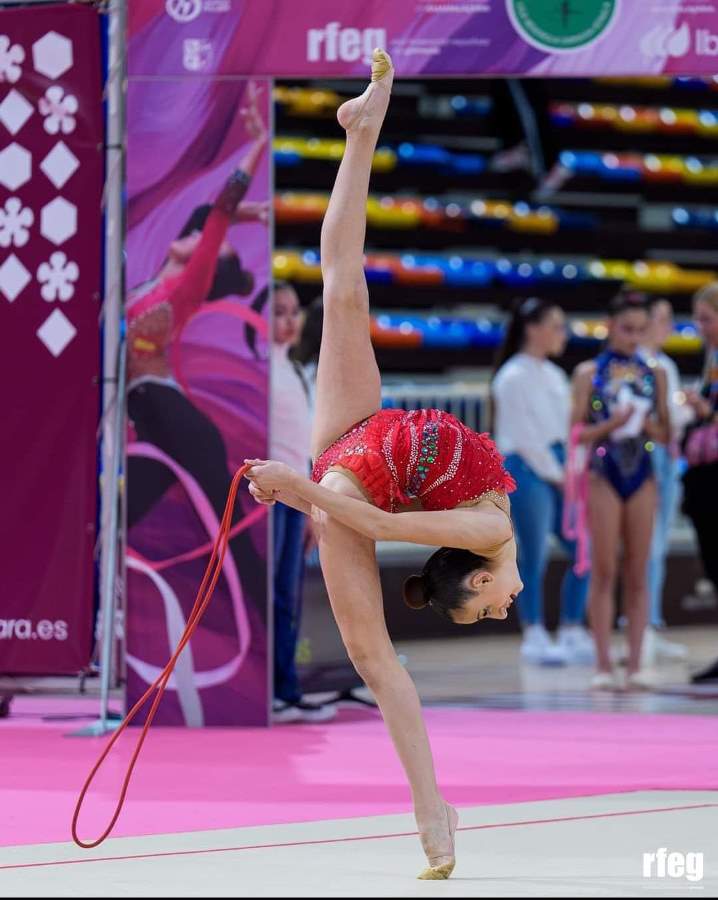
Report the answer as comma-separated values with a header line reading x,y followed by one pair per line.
x,y
426,457
499,498
386,447
453,466
413,448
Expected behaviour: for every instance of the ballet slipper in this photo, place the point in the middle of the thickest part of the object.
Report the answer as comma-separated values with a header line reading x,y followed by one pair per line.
x,y
442,870
381,64
370,107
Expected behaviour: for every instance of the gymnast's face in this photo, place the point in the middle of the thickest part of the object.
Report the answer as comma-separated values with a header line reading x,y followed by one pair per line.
x,y
493,591
287,317
627,331
548,336
660,326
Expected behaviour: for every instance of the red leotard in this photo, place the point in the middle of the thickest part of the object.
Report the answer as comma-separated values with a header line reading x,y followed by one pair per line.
x,y
424,454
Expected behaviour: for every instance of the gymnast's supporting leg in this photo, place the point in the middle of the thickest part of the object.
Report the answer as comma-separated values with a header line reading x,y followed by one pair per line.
x,y
605,510
638,516
348,389
351,575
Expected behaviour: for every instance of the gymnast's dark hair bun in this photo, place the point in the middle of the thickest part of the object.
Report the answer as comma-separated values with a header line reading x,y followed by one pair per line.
x,y
441,584
414,592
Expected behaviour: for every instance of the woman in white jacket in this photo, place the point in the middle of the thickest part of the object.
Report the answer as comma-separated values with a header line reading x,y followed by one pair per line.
x,y
531,399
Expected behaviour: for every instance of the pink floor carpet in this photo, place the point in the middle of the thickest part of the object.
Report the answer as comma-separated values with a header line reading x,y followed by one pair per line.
x,y
217,778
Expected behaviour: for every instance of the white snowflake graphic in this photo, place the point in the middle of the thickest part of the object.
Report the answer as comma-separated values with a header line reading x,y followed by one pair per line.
x,y
14,223
10,58
58,276
59,109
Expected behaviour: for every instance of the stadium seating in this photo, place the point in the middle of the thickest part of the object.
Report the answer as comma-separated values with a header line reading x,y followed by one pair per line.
x,y
454,236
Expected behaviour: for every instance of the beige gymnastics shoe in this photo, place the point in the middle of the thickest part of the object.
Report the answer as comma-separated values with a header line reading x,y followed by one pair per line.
x,y
368,110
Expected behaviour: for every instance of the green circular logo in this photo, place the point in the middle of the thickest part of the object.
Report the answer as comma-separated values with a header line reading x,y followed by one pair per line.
x,y
562,26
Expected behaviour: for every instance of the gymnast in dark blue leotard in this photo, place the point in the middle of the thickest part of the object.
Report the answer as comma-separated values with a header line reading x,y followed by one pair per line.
x,y
620,410
623,457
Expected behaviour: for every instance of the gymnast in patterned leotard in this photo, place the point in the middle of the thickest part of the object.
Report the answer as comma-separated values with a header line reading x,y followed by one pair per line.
x,y
623,458
619,413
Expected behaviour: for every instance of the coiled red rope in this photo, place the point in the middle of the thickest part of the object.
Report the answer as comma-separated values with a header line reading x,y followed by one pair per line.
x,y
204,595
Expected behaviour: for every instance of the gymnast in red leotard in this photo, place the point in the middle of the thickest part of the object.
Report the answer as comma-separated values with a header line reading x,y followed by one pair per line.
x,y
398,458
418,476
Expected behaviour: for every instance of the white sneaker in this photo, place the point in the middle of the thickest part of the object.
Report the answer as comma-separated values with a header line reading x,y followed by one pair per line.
x,y
283,712
302,711
642,680
315,712
539,649
577,644
657,647
606,681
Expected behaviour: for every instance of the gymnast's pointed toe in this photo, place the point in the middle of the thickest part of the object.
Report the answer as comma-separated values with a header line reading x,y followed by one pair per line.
x,y
367,111
441,862
381,64
437,873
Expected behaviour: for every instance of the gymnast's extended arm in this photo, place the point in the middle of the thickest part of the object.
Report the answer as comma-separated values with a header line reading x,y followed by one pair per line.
x,y
481,532
283,496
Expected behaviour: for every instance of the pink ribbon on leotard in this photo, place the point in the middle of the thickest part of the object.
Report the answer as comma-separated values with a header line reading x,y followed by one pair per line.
x,y
574,524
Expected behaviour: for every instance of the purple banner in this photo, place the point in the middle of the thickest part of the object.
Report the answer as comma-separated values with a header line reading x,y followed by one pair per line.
x,y
51,167
198,264
425,37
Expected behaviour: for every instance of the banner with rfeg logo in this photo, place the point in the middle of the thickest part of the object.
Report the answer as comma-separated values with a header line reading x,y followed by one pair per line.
x,y
425,37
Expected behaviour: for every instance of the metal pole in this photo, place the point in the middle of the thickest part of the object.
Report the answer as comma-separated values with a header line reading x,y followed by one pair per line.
x,y
108,593
113,395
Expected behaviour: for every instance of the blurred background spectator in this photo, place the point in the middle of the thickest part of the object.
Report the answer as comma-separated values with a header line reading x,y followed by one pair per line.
x,y
531,406
701,447
290,441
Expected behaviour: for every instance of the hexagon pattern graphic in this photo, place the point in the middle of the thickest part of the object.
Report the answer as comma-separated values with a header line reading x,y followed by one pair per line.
x,y
15,166
56,332
58,220
15,111
52,54
14,277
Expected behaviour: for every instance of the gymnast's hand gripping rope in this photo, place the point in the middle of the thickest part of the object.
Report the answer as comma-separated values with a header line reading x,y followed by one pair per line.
x,y
204,595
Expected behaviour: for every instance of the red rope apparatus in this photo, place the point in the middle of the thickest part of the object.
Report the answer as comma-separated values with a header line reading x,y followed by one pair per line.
x,y
204,595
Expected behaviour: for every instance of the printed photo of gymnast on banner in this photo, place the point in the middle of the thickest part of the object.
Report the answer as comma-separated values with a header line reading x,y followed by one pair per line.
x,y
198,262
